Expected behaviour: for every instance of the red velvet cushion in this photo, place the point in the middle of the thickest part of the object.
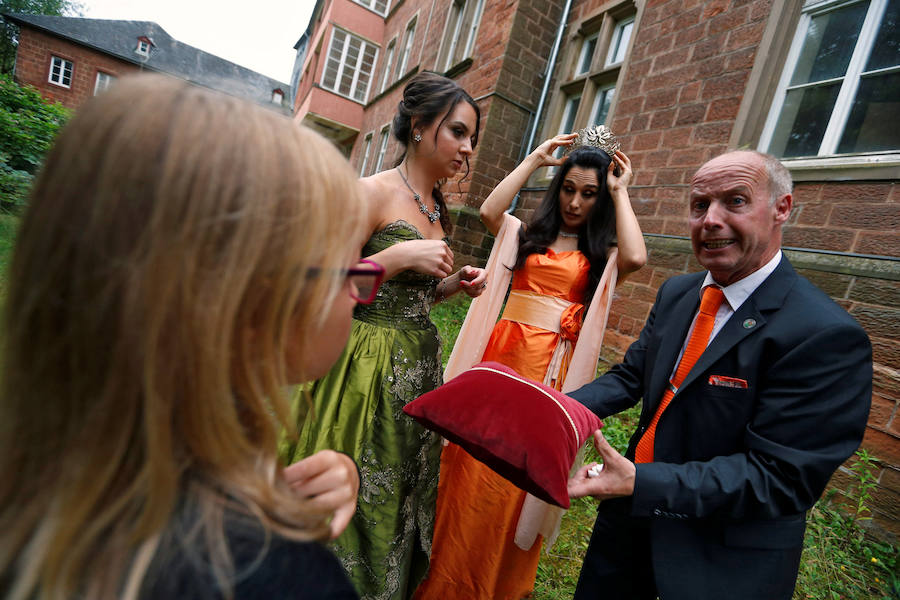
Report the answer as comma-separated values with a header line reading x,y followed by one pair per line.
x,y
525,431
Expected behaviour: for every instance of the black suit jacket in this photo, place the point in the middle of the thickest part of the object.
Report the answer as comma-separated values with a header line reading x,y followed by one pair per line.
x,y
736,468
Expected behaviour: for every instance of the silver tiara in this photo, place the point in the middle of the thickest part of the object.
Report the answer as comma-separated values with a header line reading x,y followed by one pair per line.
x,y
598,136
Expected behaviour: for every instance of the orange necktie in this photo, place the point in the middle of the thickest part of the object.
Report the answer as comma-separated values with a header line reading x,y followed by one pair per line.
x,y
709,306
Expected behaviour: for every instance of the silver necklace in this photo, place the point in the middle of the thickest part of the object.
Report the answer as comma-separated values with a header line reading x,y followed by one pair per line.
x,y
566,234
432,216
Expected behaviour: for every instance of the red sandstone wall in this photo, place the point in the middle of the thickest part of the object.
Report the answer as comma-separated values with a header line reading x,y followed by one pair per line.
x,y
33,66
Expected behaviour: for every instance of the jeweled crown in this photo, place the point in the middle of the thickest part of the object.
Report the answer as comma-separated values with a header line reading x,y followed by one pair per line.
x,y
598,136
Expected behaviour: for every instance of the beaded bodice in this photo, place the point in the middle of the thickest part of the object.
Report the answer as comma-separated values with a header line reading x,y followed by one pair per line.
x,y
404,301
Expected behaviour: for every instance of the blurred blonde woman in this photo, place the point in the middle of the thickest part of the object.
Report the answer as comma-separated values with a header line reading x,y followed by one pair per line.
x,y
185,256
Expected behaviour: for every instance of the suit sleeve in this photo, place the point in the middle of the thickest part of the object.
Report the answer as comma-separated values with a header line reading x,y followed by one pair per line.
x,y
809,417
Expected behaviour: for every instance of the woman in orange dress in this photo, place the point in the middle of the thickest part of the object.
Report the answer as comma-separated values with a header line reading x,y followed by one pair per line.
x,y
560,259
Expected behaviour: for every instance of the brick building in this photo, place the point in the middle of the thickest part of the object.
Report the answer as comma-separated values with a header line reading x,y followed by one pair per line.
x,y
815,82
70,59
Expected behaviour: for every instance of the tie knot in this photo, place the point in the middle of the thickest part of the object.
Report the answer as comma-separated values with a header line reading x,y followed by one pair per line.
x,y
711,300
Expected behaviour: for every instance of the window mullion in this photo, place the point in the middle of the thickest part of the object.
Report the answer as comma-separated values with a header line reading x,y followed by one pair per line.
x,y
786,74
844,101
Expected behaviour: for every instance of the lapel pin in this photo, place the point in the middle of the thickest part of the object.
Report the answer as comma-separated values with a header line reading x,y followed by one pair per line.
x,y
749,323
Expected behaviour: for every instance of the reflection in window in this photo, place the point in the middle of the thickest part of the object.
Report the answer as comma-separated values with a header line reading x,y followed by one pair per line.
x,y
104,80
587,54
388,64
382,148
602,102
843,86
619,44
367,148
407,48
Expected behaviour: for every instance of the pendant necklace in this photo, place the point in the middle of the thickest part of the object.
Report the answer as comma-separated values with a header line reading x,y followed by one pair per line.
x,y
566,234
432,216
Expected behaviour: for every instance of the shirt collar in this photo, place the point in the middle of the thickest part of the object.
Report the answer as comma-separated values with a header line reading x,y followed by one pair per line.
x,y
740,290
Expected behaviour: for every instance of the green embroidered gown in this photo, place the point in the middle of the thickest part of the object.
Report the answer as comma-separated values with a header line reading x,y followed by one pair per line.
x,y
392,357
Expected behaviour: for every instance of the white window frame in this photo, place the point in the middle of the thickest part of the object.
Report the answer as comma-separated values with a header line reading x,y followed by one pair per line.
x,y
367,148
594,37
382,147
372,5
615,43
408,38
64,66
388,65
103,81
342,65
143,48
851,77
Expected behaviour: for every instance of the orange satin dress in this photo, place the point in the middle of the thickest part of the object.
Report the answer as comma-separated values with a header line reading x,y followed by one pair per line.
x,y
473,554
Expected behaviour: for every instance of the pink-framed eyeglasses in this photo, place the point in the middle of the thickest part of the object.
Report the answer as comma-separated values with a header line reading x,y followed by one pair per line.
x,y
366,277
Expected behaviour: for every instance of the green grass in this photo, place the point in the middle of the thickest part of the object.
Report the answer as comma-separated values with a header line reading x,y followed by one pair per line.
x,y
840,561
9,224
449,316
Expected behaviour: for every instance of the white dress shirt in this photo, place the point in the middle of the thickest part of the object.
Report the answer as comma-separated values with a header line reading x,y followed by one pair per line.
x,y
735,295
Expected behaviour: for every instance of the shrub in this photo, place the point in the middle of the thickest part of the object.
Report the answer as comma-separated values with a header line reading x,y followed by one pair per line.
x,y
28,126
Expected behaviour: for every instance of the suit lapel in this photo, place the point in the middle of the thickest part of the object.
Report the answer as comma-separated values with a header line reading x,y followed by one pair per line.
x,y
673,328
747,320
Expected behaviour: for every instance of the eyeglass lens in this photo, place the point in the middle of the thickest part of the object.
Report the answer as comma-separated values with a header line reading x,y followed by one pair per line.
x,y
365,279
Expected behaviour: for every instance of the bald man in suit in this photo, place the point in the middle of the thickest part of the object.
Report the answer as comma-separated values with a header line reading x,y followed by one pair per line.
x,y
709,500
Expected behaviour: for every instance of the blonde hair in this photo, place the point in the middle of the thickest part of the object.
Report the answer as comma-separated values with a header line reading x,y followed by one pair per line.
x,y
161,268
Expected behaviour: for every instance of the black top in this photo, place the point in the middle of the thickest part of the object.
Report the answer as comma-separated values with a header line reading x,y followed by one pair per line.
x,y
282,568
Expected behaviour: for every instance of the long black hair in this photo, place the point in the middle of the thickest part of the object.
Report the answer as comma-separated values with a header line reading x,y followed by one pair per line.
x,y
426,97
597,233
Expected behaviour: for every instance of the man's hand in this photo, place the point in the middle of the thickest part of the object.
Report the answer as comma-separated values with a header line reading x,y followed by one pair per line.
x,y
330,481
614,480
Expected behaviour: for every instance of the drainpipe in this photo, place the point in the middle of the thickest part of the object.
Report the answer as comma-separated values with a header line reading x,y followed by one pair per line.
x,y
551,64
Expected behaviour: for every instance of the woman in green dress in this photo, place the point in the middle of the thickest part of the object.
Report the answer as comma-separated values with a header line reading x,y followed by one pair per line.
x,y
393,354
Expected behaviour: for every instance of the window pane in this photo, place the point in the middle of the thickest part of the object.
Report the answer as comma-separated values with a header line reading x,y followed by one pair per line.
x,y
368,63
569,117
349,67
381,6
587,53
365,155
886,51
875,109
803,120
601,106
329,78
474,20
829,44
388,63
621,37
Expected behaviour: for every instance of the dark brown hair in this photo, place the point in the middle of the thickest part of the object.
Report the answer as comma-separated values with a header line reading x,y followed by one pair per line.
x,y
426,97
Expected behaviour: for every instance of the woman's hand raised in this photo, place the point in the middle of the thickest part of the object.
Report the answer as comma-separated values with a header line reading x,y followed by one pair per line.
x,y
620,164
545,151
